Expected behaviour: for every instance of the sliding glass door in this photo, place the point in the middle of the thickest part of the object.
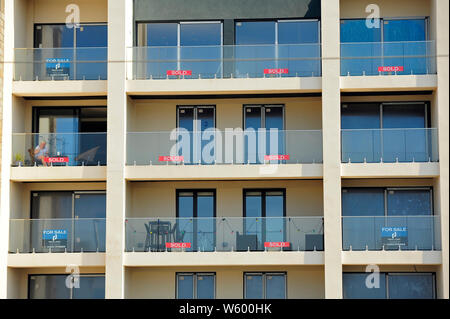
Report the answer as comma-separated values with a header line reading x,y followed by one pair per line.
x,y
194,47
282,44
395,43
78,53
192,123
55,287
368,210
388,132
196,218
78,133
264,126
264,212
78,215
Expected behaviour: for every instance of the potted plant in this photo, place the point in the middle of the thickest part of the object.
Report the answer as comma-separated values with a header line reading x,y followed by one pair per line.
x,y
18,159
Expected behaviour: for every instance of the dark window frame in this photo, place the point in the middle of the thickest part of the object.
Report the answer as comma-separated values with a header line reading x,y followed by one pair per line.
x,y
265,274
382,19
65,275
195,287
388,188
388,273
76,109
195,192
35,31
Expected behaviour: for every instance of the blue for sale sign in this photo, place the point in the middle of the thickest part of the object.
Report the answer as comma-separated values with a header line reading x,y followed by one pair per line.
x,y
58,67
394,236
55,238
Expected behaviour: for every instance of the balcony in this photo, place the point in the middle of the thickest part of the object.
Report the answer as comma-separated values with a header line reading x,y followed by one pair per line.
x,y
403,233
58,149
60,64
224,62
224,234
57,235
214,147
390,145
388,58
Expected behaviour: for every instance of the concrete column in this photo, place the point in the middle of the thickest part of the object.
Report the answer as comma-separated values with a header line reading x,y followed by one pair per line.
x,y
120,13
6,145
332,147
440,23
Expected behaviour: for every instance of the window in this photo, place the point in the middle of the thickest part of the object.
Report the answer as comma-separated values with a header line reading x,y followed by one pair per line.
x,y
80,215
196,285
179,43
386,201
260,118
391,286
196,212
55,287
76,132
192,122
283,44
388,132
265,285
264,212
397,42
367,211
74,49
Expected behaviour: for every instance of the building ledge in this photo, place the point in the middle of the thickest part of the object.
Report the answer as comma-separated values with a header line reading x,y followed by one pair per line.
x,y
60,88
273,258
388,82
225,86
389,170
392,257
223,172
56,260
58,174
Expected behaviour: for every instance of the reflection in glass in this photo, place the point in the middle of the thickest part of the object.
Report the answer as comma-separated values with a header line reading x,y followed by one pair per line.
x,y
354,287
254,286
205,286
411,286
54,287
275,286
185,286
200,232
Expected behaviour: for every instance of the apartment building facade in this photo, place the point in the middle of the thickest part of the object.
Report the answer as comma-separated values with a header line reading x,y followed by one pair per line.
x,y
238,149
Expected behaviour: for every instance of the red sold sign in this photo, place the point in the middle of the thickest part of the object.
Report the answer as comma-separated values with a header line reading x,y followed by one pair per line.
x,y
179,72
171,158
276,157
277,244
178,245
59,159
276,71
390,69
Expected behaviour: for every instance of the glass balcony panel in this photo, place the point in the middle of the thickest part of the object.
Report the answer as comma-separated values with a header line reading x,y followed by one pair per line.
x,y
57,235
225,61
390,145
60,149
219,147
46,64
391,233
365,58
224,234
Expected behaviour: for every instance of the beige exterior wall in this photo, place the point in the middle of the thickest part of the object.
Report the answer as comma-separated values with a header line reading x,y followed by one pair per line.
x,y
388,8
304,282
160,115
308,192
21,194
29,12
156,199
